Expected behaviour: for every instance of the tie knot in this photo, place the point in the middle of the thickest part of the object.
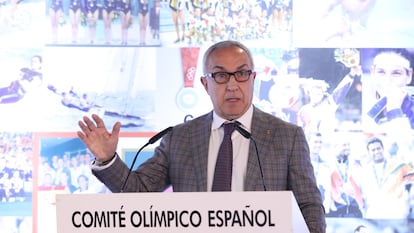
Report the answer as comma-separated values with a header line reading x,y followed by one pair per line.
x,y
229,128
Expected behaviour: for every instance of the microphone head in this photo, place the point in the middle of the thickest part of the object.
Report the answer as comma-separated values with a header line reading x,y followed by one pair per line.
x,y
150,141
248,135
243,131
159,135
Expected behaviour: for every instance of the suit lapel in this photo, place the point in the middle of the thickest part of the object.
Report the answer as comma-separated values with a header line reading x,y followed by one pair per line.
x,y
253,179
201,134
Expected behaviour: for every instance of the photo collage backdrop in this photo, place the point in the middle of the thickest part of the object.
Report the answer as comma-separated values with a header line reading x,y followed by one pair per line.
x,y
341,69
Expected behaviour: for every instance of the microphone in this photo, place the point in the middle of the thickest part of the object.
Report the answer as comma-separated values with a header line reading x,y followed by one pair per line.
x,y
248,135
152,140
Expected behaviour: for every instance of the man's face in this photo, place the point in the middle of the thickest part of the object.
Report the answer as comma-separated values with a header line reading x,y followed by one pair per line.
x,y
315,144
390,70
344,149
376,152
232,99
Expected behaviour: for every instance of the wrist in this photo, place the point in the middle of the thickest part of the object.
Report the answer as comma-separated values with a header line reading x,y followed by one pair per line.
x,y
105,162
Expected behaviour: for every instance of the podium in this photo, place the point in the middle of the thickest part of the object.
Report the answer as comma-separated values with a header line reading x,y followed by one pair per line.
x,y
275,212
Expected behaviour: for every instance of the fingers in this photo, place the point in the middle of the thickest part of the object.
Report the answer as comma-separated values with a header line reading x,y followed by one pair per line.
x,y
99,122
84,128
81,136
88,126
116,129
97,138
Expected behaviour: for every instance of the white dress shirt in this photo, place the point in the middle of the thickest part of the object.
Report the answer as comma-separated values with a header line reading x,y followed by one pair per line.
x,y
240,150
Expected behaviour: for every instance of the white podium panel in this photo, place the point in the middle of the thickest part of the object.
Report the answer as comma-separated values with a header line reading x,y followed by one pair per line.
x,y
275,212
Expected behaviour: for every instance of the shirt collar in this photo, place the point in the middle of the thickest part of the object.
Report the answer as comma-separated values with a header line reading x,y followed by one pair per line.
x,y
245,119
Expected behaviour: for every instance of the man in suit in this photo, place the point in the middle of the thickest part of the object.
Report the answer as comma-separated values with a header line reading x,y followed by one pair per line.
x,y
186,156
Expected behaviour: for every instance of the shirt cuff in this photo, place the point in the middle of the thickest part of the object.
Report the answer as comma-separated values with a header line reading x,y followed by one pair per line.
x,y
97,165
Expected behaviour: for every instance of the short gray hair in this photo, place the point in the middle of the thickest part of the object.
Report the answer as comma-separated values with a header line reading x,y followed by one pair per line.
x,y
225,44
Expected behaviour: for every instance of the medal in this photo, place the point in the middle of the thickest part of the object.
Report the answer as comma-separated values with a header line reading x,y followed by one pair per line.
x,y
187,97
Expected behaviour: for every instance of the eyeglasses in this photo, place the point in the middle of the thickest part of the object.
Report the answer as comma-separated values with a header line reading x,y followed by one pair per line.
x,y
223,77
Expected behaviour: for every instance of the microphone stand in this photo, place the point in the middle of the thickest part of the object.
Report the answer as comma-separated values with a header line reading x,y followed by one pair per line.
x,y
152,140
248,135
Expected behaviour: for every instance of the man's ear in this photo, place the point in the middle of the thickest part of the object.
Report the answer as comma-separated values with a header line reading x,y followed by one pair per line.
x,y
203,81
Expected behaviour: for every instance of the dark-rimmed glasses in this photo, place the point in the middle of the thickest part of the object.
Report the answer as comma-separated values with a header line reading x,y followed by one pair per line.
x,y
222,77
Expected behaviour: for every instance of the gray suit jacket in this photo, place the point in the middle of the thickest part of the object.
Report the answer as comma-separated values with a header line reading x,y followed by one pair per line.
x,y
181,161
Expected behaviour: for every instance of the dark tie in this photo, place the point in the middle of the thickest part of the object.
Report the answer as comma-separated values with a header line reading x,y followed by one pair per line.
x,y
224,163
